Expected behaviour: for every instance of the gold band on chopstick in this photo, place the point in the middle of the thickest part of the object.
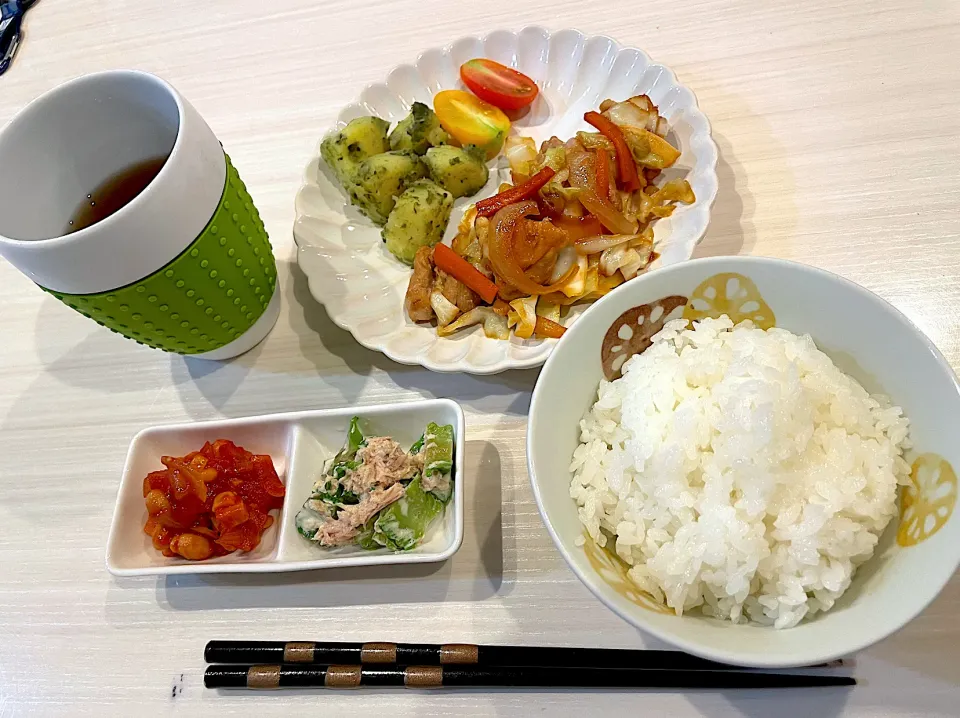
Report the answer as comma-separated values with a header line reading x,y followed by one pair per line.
x,y
342,677
298,652
461,653
378,653
263,677
423,677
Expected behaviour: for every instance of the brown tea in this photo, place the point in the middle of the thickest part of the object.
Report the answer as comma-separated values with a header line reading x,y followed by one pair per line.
x,y
115,193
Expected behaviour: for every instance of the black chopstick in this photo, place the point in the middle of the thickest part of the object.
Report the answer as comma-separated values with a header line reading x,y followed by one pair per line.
x,y
263,677
423,654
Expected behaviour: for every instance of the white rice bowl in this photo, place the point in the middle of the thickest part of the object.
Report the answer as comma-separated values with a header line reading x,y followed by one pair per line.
x,y
739,472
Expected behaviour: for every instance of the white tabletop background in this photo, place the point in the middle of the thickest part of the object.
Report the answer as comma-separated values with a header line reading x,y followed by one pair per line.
x,y
838,127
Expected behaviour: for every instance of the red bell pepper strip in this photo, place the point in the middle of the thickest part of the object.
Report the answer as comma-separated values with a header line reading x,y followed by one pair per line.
x,y
460,269
625,163
491,205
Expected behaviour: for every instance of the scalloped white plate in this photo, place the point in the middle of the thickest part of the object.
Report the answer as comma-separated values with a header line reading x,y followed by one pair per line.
x,y
362,285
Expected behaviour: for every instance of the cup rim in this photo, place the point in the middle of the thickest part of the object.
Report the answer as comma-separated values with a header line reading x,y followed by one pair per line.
x,y
81,234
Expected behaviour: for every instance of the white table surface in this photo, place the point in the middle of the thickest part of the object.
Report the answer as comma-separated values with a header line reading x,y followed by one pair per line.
x,y
838,127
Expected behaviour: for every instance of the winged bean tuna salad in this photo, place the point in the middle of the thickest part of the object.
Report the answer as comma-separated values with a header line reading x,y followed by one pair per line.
x,y
376,494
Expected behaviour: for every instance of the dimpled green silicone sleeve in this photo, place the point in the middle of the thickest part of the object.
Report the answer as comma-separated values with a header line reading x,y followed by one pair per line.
x,y
205,298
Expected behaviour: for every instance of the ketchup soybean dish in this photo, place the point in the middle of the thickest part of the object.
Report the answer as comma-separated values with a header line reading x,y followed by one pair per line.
x,y
211,502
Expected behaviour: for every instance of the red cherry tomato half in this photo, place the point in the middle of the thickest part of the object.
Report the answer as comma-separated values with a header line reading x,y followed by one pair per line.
x,y
498,84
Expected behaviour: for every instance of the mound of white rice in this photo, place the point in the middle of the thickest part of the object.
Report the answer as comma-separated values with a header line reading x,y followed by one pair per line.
x,y
739,472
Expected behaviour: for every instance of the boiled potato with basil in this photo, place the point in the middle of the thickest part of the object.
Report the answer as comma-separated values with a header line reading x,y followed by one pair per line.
x,y
418,131
346,149
462,171
379,179
418,219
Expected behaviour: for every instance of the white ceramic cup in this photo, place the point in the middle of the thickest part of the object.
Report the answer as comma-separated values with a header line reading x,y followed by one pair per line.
x,y
72,139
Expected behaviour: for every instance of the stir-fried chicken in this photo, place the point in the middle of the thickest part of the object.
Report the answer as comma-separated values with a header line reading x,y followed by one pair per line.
x,y
535,240
425,280
417,300
457,293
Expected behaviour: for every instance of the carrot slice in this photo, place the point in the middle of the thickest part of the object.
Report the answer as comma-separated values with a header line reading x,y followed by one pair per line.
x,y
548,329
501,307
460,269
625,163
491,205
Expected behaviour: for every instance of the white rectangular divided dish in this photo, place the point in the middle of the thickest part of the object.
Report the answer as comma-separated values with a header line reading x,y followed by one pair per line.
x,y
299,444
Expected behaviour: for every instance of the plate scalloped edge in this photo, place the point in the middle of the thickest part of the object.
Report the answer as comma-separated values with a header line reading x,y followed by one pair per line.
x,y
362,286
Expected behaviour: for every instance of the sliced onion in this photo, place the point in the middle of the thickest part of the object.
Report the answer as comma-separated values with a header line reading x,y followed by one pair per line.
x,y
609,217
566,259
580,227
639,112
521,153
595,140
602,242
605,285
556,196
523,315
466,232
583,176
573,209
553,156
494,325
612,259
445,310
627,114
643,102
548,310
576,286
592,280
583,172
635,261
663,127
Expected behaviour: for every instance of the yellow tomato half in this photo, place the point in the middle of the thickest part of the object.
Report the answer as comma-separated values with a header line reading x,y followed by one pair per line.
x,y
471,120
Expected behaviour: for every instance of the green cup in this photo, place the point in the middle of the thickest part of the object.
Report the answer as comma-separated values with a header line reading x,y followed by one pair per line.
x,y
185,266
